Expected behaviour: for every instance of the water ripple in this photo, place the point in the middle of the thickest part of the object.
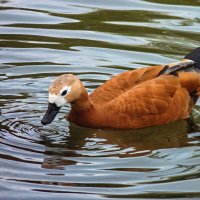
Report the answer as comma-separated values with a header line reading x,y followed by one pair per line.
x,y
94,40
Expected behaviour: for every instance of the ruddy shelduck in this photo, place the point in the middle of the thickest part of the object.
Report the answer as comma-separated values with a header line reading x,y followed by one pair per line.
x,y
134,99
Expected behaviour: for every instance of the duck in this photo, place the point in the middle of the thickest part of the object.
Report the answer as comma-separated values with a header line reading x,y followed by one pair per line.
x,y
138,98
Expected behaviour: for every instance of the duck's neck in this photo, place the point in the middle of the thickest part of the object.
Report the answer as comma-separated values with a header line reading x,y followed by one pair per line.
x,y
84,103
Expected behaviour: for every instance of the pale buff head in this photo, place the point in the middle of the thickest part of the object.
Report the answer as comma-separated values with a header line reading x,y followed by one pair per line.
x,y
64,89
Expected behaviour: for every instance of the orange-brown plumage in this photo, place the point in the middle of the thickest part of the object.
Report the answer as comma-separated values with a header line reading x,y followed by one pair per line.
x,y
137,98
153,102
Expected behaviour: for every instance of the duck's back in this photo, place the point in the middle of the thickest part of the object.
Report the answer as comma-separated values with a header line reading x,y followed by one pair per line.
x,y
121,83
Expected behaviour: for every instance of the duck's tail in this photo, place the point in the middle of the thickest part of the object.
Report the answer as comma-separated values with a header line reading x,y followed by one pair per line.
x,y
195,57
188,72
191,79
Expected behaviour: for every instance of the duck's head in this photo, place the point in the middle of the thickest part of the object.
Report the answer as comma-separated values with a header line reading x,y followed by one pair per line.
x,y
64,89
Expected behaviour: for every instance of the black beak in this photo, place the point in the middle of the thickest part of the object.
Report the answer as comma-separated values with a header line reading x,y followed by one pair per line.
x,y
52,111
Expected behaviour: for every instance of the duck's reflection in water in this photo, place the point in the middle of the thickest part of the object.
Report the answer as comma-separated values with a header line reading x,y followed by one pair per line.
x,y
85,142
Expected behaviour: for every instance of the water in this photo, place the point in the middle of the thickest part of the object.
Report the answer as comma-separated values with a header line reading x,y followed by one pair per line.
x,y
95,40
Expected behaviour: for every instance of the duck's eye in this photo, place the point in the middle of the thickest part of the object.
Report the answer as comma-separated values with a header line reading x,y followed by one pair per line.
x,y
64,93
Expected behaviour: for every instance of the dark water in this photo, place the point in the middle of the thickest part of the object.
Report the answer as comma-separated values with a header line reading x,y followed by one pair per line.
x,y
42,39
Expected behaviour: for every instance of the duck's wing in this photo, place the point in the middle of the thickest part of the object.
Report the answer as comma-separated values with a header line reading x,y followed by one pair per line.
x,y
119,84
153,102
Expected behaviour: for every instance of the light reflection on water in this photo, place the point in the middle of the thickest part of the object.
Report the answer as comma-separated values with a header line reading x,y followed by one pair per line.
x,y
94,40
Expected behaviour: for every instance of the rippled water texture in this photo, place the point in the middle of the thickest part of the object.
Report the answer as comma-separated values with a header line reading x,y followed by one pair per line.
x,y
94,39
